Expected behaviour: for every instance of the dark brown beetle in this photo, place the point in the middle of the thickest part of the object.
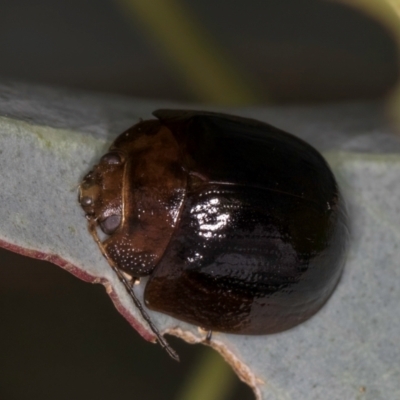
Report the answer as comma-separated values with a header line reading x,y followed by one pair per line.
x,y
240,226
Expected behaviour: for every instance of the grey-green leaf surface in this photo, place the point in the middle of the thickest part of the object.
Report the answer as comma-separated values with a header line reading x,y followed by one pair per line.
x,y
51,138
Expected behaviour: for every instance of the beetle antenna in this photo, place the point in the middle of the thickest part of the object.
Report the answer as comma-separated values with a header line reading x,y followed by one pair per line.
x,y
163,343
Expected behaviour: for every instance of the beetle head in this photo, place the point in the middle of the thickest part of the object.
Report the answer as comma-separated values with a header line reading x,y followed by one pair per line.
x,y
100,193
134,195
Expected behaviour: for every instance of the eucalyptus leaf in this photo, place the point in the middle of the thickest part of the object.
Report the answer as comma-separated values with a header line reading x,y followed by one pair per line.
x,y
51,138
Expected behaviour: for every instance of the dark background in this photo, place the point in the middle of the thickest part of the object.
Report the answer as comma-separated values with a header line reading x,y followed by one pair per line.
x,y
296,51
61,338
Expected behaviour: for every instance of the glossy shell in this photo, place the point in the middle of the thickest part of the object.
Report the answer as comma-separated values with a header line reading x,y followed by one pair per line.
x,y
240,226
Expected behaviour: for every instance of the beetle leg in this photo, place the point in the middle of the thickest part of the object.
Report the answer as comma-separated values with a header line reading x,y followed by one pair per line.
x,y
208,336
130,278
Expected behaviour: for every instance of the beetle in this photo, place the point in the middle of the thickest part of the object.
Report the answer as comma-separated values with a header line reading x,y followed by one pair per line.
x,y
240,226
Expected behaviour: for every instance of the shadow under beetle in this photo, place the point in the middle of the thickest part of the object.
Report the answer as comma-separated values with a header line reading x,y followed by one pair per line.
x,y
240,226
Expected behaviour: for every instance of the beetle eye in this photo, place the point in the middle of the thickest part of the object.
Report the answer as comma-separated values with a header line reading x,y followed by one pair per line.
x,y
86,201
111,158
110,224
